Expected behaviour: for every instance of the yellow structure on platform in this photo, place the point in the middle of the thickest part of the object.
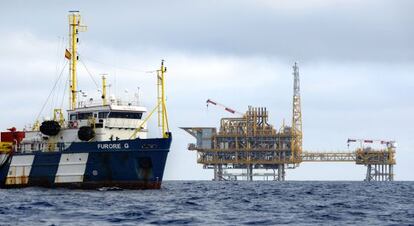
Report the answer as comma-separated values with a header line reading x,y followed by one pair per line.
x,y
250,144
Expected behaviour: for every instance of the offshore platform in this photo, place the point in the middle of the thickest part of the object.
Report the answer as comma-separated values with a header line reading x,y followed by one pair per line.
x,y
248,147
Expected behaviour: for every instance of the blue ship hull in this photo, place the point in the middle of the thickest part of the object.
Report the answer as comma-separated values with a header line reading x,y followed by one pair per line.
x,y
130,164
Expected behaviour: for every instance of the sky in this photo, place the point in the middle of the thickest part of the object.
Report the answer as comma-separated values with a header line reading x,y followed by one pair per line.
x,y
355,57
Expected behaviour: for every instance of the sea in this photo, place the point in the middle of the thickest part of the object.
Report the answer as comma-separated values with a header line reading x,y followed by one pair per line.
x,y
216,203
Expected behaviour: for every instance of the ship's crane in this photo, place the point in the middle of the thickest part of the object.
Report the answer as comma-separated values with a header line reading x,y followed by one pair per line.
x,y
209,101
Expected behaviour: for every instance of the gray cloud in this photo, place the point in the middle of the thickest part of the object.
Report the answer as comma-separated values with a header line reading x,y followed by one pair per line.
x,y
319,30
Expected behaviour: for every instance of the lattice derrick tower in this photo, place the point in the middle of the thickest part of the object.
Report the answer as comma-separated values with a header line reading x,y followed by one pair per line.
x,y
296,144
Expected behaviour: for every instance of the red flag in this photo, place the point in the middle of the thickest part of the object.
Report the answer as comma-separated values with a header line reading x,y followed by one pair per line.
x,y
68,55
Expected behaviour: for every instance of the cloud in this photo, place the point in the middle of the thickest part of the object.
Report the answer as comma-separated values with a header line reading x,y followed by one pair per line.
x,y
373,31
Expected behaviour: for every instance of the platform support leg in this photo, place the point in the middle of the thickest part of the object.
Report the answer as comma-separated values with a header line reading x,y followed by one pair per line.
x,y
249,172
281,172
368,176
218,172
391,172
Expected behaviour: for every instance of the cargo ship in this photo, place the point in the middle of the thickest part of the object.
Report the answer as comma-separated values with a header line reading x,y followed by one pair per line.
x,y
96,145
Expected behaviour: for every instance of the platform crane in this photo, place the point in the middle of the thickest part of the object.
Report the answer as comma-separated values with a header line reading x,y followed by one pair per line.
x,y
209,101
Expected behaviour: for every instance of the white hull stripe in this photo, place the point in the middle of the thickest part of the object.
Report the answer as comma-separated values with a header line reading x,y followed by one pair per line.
x,y
71,168
19,169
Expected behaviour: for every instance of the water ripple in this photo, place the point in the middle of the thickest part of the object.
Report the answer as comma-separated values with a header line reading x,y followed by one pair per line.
x,y
215,203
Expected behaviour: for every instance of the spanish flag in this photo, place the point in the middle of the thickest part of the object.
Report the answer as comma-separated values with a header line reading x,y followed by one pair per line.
x,y
68,55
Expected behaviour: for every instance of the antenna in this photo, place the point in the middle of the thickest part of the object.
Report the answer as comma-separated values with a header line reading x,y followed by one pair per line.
x,y
137,96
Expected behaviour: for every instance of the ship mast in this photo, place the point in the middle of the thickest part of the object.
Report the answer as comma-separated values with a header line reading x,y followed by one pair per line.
x,y
162,109
104,90
161,106
74,28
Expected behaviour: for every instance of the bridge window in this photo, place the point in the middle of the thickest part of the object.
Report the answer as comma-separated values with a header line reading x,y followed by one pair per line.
x,y
128,115
103,114
86,115
73,117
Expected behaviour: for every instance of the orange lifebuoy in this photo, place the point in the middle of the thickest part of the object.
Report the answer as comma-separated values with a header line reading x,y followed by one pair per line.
x,y
74,124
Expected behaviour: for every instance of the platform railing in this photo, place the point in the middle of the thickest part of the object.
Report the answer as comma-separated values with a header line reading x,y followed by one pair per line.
x,y
41,146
